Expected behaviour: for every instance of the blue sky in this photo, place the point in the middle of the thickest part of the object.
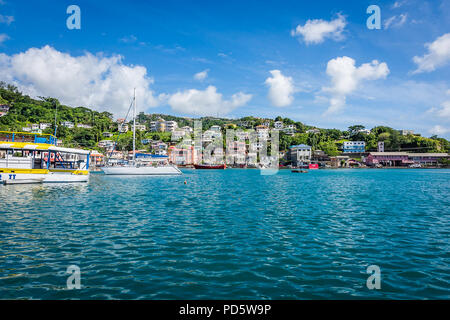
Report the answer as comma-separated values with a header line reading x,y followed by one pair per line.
x,y
253,61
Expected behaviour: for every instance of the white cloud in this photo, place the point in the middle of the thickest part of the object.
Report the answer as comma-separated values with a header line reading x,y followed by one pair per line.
x,y
345,78
439,130
438,55
206,102
444,110
317,30
396,21
104,83
3,37
200,76
6,19
281,89
128,39
398,4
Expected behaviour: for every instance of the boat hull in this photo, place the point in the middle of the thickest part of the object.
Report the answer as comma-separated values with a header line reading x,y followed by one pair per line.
x,y
144,171
25,178
205,166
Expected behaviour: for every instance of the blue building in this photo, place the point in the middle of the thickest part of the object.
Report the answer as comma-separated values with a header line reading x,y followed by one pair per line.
x,y
354,147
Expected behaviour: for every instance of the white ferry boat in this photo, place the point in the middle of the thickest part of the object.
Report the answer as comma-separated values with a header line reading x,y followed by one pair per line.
x,y
35,158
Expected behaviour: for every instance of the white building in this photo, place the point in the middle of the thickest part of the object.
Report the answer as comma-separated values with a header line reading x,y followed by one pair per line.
x,y
315,130
107,134
300,154
406,132
123,127
84,126
171,126
34,126
354,146
106,144
289,129
262,132
209,135
26,129
188,129
44,125
67,124
215,128
278,125
178,134
141,127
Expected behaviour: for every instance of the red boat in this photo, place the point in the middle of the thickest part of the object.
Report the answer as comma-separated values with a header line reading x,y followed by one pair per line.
x,y
210,166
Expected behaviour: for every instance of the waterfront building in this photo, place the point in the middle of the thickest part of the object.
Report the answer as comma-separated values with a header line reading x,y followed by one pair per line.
x,y
67,124
299,154
96,158
354,147
320,156
427,159
183,156
340,161
235,152
388,159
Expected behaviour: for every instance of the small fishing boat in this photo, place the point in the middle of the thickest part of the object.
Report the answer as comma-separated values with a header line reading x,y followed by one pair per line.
x,y
299,171
210,166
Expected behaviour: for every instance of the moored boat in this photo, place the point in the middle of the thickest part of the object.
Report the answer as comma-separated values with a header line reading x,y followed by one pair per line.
x,y
35,158
149,165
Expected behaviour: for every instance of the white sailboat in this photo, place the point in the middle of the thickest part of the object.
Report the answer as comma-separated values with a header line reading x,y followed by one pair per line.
x,y
157,168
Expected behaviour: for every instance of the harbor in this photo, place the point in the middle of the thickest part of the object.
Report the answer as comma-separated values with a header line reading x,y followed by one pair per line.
x,y
229,233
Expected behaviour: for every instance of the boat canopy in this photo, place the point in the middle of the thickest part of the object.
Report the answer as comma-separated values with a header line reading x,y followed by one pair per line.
x,y
40,147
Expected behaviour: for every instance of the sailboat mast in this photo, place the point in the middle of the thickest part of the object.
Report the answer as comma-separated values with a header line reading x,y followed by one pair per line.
x,y
134,128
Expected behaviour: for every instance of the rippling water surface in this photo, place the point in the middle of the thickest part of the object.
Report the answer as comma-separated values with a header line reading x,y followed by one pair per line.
x,y
232,234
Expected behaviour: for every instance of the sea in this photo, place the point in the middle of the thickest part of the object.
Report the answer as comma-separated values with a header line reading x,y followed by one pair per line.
x,y
230,234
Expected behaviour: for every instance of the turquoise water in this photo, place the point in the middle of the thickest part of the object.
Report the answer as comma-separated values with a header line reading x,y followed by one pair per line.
x,y
231,234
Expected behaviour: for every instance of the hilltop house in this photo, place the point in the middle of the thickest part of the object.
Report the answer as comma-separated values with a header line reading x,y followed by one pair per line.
x,y
354,147
67,124
4,108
